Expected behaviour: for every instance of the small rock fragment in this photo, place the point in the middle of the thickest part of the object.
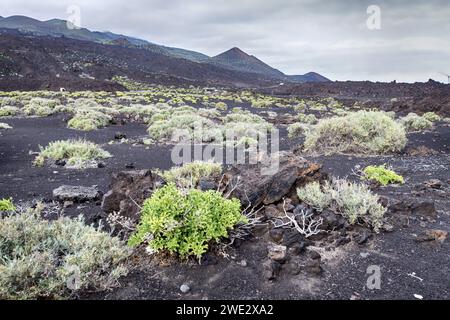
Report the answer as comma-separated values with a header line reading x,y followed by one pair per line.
x,y
185,288
276,252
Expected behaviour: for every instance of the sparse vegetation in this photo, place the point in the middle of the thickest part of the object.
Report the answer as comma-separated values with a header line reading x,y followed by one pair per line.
x,y
88,120
354,201
297,129
382,175
362,132
185,223
76,153
43,259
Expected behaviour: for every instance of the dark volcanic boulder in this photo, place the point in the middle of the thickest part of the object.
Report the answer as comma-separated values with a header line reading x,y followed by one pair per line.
x,y
129,189
250,182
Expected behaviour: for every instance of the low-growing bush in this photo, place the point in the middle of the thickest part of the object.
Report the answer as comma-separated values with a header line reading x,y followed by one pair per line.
x,y
362,132
307,118
431,116
43,259
220,106
297,129
40,107
189,175
185,223
9,111
88,120
354,201
382,175
7,205
413,122
76,153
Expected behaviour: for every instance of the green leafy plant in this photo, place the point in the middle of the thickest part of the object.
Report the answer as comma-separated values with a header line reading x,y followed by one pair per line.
x,y
354,201
382,175
185,223
7,205
77,153
43,259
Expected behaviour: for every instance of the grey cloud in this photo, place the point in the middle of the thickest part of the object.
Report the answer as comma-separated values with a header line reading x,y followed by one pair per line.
x,y
296,36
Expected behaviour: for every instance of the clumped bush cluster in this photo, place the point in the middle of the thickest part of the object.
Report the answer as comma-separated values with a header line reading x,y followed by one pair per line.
x,y
362,132
9,111
76,153
354,201
185,223
40,107
41,259
382,175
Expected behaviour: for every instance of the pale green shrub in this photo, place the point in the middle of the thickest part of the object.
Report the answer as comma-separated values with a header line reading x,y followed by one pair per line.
x,y
362,132
87,120
40,107
309,119
8,111
413,122
43,259
297,129
189,175
352,200
431,116
76,153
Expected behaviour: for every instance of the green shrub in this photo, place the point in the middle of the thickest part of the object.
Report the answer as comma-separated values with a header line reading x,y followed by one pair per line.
x,y
352,200
221,106
431,116
88,120
307,118
362,132
43,259
189,175
7,205
4,126
40,107
77,153
8,111
297,129
382,175
185,223
413,122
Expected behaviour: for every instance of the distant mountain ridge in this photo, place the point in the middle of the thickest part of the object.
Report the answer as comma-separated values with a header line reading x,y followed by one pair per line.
x,y
234,59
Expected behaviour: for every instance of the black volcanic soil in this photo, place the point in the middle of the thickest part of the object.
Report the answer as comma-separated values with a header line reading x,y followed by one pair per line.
x,y
399,256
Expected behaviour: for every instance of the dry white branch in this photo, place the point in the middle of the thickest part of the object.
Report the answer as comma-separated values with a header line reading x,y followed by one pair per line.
x,y
307,226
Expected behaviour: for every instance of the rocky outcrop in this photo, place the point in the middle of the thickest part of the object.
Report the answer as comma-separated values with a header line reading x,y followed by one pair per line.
x,y
248,184
129,189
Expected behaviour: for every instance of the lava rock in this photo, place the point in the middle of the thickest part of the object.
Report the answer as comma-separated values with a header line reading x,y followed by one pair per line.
x,y
61,163
363,237
276,234
313,267
120,136
206,185
130,166
256,186
297,248
342,241
291,237
433,184
277,252
424,209
129,189
272,269
314,255
76,193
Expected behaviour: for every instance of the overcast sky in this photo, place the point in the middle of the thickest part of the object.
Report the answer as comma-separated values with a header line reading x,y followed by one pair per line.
x,y
296,36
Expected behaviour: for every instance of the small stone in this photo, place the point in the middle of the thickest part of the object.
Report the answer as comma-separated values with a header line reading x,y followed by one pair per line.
x,y
61,163
291,237
364,254
130,166
76,193
342,241
293,268
297,248
388,227
67,204
242,263
424,209
120,136
185,288
313,267
101,164
362,238
276,235
272,270
314,255
277,252
433,184
206,185
433,235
